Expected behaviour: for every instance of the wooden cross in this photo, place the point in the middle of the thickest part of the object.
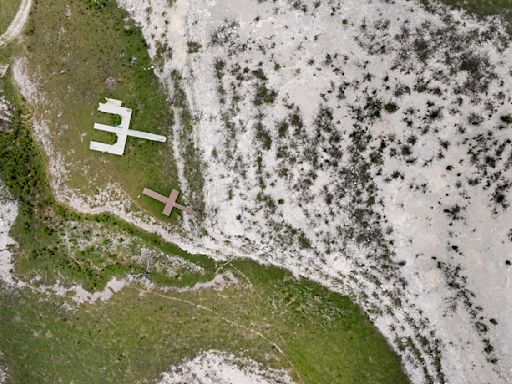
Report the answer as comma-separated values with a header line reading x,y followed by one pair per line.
x,y
170,202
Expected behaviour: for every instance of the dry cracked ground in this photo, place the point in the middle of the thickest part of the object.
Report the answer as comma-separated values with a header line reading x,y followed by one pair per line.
x,y
364,144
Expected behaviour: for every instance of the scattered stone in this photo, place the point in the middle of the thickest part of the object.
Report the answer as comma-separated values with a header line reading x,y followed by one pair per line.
x,y
110,83
67,11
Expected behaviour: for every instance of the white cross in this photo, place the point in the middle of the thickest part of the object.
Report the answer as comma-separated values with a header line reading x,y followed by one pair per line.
x,y
122,131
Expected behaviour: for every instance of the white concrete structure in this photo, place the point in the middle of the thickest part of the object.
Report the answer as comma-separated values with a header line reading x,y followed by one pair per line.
x,y
122,131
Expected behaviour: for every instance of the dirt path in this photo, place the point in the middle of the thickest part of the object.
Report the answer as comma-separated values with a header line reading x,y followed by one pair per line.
x,y
18,23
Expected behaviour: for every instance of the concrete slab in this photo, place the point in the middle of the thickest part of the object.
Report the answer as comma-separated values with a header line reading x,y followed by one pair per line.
x,y
122,131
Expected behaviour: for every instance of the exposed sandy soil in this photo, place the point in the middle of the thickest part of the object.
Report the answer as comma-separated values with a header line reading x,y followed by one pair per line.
x,y
8,213
3,376
215,367
5,113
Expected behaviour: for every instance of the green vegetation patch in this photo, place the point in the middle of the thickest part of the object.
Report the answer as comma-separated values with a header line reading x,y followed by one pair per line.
x,y
324,338
391,107
42,229
264,95
83,52
8,10
482,7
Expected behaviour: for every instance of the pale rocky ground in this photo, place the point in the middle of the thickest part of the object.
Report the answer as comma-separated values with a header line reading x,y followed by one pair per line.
x,y
405,210
5,108
8,213
5,113
214,367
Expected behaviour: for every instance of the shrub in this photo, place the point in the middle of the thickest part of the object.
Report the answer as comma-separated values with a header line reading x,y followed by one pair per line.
x,y
391,107
264,95
193,47
506,119
98,4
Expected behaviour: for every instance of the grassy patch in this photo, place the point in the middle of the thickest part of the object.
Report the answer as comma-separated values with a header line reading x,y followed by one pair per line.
x,y
8,10
323,336
40,226
96,52
483,8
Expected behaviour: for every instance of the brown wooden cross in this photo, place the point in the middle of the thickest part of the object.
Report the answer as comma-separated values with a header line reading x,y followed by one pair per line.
x,y
170,202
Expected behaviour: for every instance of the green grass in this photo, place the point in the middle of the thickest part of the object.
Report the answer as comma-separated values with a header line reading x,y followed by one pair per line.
x,y
482,7
73,57
8,10
40,226
323,336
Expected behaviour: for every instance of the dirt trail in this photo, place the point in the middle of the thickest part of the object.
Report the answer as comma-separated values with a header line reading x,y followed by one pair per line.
x,y
18,23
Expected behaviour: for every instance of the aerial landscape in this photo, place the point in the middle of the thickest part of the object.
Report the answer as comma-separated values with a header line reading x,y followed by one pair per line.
x,y
256,191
